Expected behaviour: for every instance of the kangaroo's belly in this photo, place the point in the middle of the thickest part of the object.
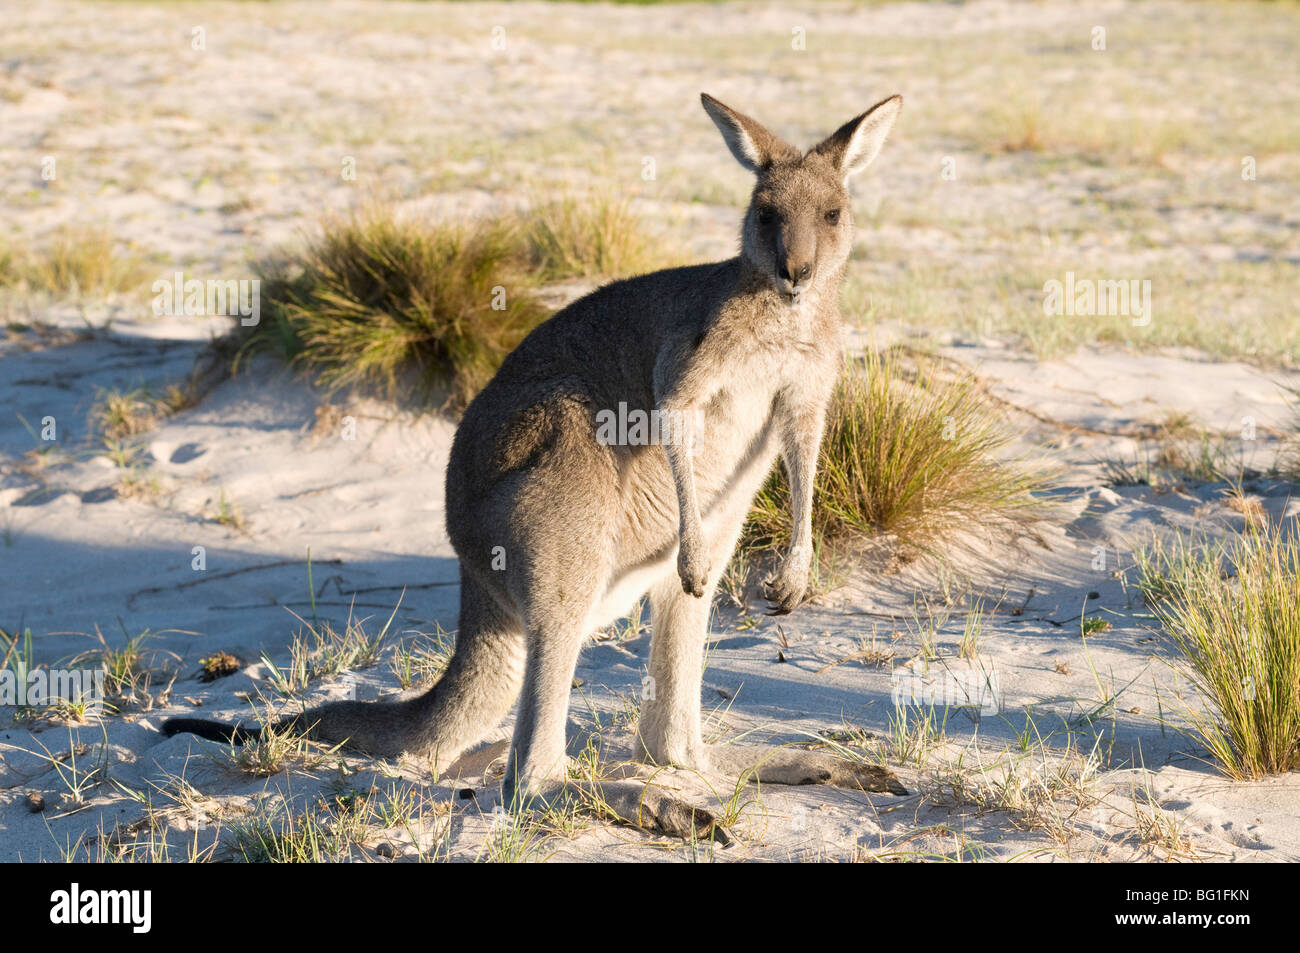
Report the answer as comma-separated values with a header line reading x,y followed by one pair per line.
x,y
734,449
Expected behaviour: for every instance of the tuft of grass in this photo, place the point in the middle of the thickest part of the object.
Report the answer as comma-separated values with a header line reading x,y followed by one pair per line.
x,y
119,414
914,731
1233,610
1176,453
320,651
1159,827
869,653
1042,791
588,236
134,672
1091,625
274,749
1024,121
376,297
423,660
972,632
908,453
1017,124
8,264
77,262
398,305
228,513
308,838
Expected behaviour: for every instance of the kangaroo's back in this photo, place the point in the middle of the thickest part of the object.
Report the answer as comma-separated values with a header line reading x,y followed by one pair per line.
x,y
598,352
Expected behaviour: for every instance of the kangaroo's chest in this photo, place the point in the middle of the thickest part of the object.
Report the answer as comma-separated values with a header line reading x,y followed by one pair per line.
x,y
738,432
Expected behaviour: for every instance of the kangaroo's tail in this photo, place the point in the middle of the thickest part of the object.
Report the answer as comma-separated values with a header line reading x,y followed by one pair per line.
x,y
482,681
212,730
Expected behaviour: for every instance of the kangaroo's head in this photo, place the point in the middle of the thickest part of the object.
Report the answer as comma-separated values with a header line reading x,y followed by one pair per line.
x,y
798,230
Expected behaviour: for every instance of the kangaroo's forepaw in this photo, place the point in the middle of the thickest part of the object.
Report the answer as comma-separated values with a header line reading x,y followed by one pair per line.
x,y
694,577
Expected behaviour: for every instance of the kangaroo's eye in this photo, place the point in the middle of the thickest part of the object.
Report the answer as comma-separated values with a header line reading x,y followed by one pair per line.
x,y
833,217
766,214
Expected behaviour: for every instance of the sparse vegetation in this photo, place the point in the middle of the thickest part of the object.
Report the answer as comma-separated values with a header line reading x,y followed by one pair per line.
x,y
1233,611
422,661
134,673
120,414
228,513
915,730
908,453
319,650
1042,791
1091,625
870,653
379,300
217,665
292,839
75,262
1175,453
275,748
1158,827
972,633
589,236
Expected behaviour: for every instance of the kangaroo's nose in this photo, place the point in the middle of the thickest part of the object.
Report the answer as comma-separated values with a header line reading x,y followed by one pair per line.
x,y
795,271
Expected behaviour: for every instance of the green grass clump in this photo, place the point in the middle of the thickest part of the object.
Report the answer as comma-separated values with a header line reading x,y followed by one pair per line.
x,y
294,839
8,264
377,299
907,452
1233,610
375,296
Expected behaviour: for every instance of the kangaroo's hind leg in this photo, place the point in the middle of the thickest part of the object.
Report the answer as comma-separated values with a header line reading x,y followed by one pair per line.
x,y
536,769
555,523
669,732
536,762
670,729
482,680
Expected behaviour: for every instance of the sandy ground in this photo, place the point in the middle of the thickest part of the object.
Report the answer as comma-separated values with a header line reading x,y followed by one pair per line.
x,y
199,165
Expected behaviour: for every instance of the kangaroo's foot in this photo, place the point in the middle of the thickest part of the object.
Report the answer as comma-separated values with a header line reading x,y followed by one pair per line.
x,y
779,765
651,806
789,588
628,793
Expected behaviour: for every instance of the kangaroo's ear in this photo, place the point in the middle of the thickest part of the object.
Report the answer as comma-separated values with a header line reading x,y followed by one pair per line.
x,y
753,146
854,146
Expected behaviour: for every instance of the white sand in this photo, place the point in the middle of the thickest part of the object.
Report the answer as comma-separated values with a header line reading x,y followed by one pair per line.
x,y
370,510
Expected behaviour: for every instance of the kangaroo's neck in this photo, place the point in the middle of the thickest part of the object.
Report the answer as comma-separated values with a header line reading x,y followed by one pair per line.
x,y
814,312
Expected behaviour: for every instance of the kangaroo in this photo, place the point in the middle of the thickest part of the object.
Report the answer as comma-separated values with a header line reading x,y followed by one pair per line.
x,y
560,531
